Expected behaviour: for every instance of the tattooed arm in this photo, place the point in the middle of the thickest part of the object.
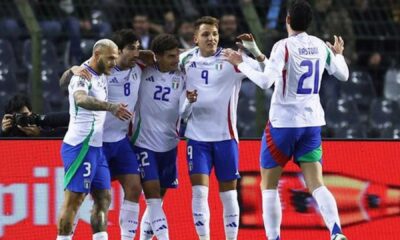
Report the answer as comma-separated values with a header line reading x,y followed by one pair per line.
x,y
75,70
93,104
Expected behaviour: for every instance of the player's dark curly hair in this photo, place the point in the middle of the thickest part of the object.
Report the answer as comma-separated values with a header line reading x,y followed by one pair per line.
x,y
16,103
206,20
124,37
164,42
300,13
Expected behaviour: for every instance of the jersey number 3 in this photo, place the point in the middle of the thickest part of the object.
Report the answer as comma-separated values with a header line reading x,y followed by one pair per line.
x,y
310,72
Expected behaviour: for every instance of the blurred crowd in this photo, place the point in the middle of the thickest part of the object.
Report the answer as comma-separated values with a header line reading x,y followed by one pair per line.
x,y
370,29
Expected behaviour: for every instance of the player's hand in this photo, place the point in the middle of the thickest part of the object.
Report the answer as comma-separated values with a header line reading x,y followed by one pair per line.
x,y
248,42
191,96
6,123
147,57
234,57
30,130
120,111
81,72
338,45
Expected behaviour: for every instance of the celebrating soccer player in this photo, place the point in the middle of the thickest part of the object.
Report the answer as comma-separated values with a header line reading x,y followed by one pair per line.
x,y
295,67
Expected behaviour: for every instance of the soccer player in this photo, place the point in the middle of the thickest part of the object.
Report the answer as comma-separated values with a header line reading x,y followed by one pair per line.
x,y
295,67
123,86
162,97
86,170
211,127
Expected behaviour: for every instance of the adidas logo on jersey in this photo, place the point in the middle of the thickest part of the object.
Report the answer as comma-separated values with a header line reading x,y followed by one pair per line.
x,y
192,65
114,80
150,79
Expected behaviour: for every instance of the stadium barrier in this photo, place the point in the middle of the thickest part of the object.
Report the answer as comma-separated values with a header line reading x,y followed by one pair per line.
x,y
363,176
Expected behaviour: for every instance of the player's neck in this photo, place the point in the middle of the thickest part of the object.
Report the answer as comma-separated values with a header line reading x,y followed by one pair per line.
x,y
162,68
121,66
206,53
93,66
294,33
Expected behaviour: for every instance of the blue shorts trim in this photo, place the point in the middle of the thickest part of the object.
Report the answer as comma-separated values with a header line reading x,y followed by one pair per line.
x,y
93,173
222,155
279,145
121,158
158,166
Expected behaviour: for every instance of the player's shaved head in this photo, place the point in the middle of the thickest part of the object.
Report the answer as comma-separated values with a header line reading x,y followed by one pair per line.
x,y
103,44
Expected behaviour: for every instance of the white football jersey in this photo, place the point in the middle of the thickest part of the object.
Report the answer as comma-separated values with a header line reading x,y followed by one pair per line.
x,y
85,124
217,82
296,66
123,87
157,112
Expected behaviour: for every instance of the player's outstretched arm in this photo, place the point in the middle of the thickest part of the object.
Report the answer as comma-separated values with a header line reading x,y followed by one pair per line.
x,y
74,70
90,103
336,64
248,43
262,79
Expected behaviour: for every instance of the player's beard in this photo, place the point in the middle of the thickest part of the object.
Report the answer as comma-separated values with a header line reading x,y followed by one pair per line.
x,y
102,67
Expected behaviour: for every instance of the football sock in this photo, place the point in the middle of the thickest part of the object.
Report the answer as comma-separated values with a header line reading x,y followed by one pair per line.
x,y
100,236
201,211
158,219
128,219
272,213
59,237
328,209
146,233
231,213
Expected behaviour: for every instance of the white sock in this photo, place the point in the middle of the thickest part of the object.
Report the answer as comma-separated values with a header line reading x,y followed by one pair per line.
x,y
272,213
128,219
157,218
146,233
201,210
231,213
59,237
100,236
328,209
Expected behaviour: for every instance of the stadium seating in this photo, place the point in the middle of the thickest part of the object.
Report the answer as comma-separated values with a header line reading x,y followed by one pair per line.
x,y
392,85
7,58
48,53
361,90
341,113
384,114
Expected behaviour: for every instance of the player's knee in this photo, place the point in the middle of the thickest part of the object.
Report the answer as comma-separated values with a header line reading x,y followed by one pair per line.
x,y
102,201
133,192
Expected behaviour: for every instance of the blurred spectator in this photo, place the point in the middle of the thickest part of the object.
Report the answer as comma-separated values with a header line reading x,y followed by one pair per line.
x,y
186,34
332,19
20,121
228,28
73,18
10,22
141,26
169,22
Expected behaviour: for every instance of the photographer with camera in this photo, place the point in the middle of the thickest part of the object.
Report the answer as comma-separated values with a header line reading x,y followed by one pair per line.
x,y
19,121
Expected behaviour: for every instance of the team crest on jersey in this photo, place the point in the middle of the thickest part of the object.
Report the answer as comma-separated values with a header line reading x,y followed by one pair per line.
x,y
134,76
175,82
218,66
86,183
